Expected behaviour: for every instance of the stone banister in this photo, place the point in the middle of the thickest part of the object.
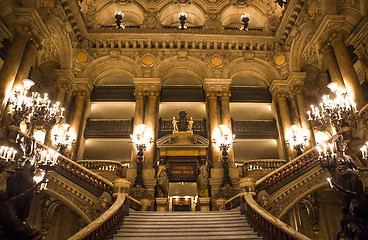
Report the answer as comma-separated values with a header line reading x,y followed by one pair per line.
x,y
289,170
67,168
105,224
271,226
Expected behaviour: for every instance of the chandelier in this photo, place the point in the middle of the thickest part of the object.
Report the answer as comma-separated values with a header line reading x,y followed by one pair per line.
x,y
337,112
296,140
63,140
36,111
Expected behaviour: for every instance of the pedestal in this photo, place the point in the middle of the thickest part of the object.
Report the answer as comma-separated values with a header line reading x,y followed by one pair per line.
x,y
220,204
146,204
204,204
247,185
161,204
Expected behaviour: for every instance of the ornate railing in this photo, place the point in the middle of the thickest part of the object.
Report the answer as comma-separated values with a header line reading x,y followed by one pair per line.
x,y
165,127
250,94
108,128
268,224
288,171
113,94
73,171
104,225
234,202
118,168
263,129
261,164
182,94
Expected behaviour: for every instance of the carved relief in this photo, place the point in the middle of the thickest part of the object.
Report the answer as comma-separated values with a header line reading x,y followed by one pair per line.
x,y
348,4
309,55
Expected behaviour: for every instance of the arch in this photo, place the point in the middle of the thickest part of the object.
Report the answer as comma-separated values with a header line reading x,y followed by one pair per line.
x,y
182,79
133,15
192,66
231,16
115,80
243,80
298,45
352,15
257,68
300,197
105,66
62,41
195,16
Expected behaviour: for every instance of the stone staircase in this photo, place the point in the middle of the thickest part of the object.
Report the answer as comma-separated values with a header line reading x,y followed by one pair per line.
x,y
186,225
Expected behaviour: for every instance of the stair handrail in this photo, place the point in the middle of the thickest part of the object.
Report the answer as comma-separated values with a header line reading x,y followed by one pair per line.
x,y
231,202
102,226
73,168
269,224
287,171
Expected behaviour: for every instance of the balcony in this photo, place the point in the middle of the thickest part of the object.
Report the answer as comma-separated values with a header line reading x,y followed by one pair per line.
x,y
250,94
263,129
108,128
113,94
165,127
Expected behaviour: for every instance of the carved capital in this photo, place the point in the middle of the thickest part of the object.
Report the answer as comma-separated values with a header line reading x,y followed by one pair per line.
x,y
216,85
279,89
147,85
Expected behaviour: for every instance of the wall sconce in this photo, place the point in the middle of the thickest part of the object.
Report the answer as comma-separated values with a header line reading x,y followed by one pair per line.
x,y
182,18
297,141
245,19
62,140
119,16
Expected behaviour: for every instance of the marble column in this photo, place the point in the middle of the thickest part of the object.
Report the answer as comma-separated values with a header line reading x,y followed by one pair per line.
x,y
347,71
226,119
332,66
10,67
26,64
285,120
76,118
212,103
302,105
138,120
150,120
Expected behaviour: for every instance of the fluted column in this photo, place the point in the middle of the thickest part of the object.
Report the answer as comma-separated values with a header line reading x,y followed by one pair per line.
x,y
347,70
332,66
10,67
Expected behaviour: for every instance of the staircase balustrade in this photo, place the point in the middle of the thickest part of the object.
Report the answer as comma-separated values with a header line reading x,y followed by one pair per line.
x,y
68,168
261,164
115,167
273,227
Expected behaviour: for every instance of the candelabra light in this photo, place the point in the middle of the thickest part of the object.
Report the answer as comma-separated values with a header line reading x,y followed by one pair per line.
x,y
245,19
141,142
296,140
338,111
119,16
182,18
63,140
223,143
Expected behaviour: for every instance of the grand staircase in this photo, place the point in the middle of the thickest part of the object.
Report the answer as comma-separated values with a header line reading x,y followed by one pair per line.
x,y
186,225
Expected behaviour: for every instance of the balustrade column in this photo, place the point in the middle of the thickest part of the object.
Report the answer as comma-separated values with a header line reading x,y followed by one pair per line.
x,y
151,123
347,71
75,121
332,65
212,104
10,67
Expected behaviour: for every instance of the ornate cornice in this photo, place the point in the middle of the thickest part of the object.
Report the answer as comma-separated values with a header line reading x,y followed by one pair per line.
x,y
82,85
360,34
279,88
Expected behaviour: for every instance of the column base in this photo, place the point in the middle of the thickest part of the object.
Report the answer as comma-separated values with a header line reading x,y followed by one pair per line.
x,y
161,204
204,204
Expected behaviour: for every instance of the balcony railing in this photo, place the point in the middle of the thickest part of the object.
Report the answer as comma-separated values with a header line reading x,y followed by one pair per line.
x,y
106,168
255,129
182,94
250,94
165,127
113,94
108,128
261,165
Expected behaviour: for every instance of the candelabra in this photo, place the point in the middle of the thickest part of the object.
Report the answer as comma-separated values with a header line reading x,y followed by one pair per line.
x,y
338,112
245,19
223,143
141,142
297,141
119,16
63,140
182,18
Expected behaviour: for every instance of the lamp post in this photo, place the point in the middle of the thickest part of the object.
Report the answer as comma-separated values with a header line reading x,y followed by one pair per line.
x,y
119,16
223,143
141,143
182,18
245,19
297,141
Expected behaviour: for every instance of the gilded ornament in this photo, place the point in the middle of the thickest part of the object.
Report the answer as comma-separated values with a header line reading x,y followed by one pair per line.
x,y
148,60
82,57
312,8
217,61
280,59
